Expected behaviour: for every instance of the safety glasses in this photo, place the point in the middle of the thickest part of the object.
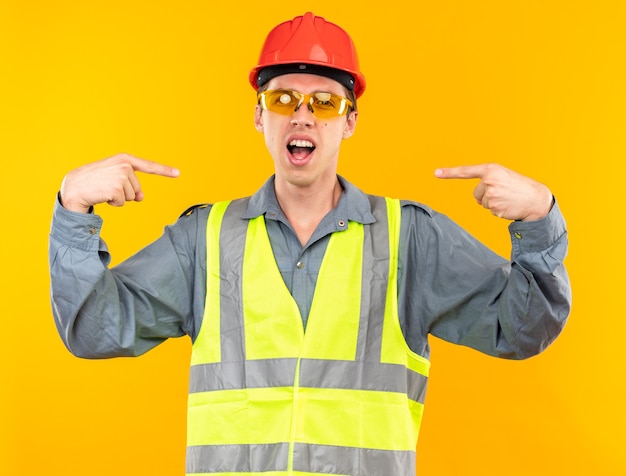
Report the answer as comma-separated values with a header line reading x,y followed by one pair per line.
x,y
322,105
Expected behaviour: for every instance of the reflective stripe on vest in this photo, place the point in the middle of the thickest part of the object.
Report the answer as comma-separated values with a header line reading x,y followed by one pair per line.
x,y
345,397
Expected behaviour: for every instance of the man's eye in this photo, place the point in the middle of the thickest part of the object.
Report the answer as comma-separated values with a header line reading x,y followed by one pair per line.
x,y
285,98
324,100
325,104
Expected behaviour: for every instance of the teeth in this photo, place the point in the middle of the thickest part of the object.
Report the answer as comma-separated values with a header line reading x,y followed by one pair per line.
x,y
301,143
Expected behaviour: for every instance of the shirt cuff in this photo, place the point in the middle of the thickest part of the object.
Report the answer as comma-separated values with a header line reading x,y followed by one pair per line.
x,y
74,229
538,235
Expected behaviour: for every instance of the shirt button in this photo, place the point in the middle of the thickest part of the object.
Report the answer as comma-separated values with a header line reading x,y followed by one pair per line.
x,y
341,223
518,235
93,230
299,265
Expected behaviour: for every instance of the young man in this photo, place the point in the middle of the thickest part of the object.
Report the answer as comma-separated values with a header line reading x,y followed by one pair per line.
x,y
309,304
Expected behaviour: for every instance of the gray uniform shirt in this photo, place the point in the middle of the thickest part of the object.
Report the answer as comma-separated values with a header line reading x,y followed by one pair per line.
x,y
449,284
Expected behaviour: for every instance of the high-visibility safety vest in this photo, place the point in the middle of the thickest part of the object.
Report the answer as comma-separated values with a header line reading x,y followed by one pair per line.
x,y
343,398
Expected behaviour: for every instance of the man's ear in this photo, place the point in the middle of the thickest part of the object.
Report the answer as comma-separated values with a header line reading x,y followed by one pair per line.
x,y
350,125
258,118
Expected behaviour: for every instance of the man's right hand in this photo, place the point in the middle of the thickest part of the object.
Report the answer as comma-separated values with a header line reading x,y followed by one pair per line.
x,y
113,181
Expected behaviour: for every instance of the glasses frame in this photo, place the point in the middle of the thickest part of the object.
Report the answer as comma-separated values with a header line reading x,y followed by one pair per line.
x,y
310,100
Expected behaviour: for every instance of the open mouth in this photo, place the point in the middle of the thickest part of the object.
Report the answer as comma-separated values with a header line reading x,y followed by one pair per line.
x,y
300,149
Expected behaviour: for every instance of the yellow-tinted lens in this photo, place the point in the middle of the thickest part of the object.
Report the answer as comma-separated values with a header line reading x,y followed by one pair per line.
x,y
322,104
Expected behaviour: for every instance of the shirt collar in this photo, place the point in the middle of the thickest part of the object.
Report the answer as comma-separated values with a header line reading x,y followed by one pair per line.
x,y
353,204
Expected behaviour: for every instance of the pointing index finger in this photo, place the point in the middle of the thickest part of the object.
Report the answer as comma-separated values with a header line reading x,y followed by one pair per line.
x,y
461,172
151,167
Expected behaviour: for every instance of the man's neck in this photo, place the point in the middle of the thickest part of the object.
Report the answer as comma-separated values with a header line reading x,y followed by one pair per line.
x,y
305,207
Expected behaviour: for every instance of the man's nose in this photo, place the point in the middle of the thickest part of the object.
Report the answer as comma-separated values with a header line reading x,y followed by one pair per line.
x,y
303,114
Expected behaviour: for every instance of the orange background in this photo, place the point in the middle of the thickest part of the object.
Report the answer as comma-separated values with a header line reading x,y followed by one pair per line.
x,y
538,86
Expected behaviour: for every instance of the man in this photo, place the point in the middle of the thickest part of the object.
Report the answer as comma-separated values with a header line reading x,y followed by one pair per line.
x,y
309,304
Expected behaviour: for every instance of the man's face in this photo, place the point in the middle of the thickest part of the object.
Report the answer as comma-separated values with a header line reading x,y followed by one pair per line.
x,y
305,148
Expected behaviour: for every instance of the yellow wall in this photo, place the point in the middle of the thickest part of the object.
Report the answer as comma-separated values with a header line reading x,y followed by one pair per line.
x,y
538,86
